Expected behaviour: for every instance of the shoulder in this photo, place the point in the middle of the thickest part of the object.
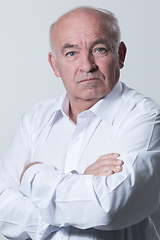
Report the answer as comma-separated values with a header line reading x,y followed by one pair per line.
x,y
46,107
41,114
134,109
43,107
139,101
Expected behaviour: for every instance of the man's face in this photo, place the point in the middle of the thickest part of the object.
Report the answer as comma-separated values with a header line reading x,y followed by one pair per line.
x,y
84,61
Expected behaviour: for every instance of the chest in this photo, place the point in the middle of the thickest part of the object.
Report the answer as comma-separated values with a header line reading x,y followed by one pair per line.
x,y
74,147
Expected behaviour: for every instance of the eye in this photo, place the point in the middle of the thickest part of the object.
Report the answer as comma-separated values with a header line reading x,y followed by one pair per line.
x,y
101,50
71,54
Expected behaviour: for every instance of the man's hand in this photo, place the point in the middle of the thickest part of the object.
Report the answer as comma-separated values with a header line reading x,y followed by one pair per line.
x,y
106,165
28,166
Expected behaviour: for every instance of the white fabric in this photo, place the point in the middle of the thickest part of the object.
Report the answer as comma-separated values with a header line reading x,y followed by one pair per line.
x,y
55,200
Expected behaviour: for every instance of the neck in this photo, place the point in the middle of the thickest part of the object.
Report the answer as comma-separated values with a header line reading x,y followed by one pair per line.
x,y
76,107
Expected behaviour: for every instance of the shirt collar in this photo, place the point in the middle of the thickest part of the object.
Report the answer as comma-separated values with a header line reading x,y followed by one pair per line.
x,y
104,108
62,104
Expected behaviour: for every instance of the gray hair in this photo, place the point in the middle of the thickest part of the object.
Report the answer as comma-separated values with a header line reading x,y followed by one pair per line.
x,y
110,22
51,40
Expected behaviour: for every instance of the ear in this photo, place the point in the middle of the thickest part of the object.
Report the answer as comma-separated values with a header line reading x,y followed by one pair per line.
x,y
52,61
122,53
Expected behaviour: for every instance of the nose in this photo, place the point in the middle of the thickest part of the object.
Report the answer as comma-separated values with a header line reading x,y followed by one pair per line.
x,y
87,63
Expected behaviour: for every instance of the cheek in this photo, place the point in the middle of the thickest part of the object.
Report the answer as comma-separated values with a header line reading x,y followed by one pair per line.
x,y
66,70
110,70
68,80
107,70
105,64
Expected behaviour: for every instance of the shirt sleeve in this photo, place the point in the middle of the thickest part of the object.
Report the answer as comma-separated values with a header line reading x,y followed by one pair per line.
x,y
19,217
112,203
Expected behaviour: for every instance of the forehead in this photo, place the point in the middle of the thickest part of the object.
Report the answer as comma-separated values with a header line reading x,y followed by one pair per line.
x,y
81,26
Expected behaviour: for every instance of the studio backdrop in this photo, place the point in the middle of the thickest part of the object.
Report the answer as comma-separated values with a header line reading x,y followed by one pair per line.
x,y
25,75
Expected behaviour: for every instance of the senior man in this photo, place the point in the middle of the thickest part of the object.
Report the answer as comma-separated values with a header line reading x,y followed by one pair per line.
x,y
84,165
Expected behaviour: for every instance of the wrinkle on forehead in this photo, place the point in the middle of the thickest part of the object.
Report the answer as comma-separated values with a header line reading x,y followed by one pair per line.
x,y
85,20
79,20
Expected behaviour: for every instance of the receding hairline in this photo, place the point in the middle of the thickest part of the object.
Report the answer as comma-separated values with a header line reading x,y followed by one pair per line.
x,y
108,17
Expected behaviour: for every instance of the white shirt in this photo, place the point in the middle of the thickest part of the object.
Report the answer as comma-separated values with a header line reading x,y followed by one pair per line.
x,y
55,200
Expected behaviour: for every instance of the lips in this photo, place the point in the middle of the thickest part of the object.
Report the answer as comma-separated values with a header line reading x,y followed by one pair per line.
x,y
88,80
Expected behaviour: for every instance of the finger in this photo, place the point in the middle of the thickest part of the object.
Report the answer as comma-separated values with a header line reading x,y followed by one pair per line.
x,y
103,170
117,169
119,162
114,155
110,155
104,174
108,162
104,167
104,164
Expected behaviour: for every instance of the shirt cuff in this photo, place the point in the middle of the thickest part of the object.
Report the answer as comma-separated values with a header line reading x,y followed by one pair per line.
x,y
29,176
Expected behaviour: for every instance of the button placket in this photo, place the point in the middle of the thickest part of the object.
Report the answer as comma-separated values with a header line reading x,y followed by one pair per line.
x,y
75,145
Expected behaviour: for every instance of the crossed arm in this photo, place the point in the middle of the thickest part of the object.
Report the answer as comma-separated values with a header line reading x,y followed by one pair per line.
x,y
106,165
139,180
108,199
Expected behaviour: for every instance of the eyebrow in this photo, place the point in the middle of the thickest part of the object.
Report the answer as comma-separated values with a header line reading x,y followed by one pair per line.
x,y
69,46
101,41
96,42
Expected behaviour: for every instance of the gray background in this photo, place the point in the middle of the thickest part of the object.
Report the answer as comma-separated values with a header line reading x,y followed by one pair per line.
x,y
25,75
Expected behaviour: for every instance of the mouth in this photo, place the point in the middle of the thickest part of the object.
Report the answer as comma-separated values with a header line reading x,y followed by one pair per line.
x,y
88,80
